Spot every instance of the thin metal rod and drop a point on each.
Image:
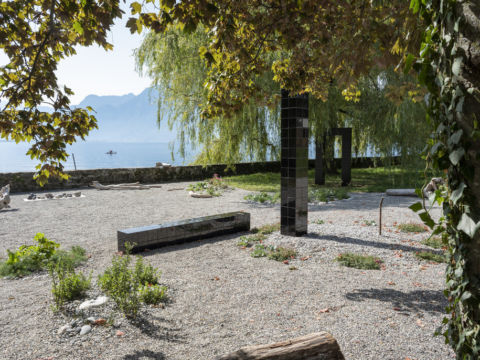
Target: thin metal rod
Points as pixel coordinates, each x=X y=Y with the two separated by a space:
x=380 y=217
x=74 y=163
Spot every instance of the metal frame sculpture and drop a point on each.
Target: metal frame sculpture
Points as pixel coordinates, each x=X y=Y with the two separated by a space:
x=346 y=134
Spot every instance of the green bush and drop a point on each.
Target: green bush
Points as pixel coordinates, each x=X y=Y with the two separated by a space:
x=365 y=262
x=264 y=198
x=411 y=227
x=281 y=254
x=120 y=283
x=126 y=285
x=213 y=186
x=32 y=258
x=259 y=251
x=430 y=256
x=152 y=294
x=146 y=274
x=326 y=195
x=66 y=284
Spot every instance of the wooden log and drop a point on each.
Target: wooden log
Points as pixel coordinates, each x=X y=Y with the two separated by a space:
x=316 y=346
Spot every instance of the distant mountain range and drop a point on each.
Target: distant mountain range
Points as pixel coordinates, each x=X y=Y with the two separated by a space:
x=127 y=118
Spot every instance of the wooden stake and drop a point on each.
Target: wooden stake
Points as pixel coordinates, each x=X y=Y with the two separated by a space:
x=74 y=163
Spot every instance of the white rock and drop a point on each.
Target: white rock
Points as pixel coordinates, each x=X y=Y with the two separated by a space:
x=85 y=329
x=91 y=319
x=93 y=303
x=63 y=329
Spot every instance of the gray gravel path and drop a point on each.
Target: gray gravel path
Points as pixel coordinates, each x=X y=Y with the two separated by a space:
x=222 y=298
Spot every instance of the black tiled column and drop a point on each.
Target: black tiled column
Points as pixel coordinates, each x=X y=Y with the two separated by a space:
x=294 y=164
x=346 y=156
x=319 y=163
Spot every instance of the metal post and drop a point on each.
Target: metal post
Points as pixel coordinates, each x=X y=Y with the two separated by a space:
x=74 y=163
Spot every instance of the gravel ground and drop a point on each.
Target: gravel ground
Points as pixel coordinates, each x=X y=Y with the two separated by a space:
x=222 y=298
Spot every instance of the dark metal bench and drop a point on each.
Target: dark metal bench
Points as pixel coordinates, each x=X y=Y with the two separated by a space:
x=149 y=237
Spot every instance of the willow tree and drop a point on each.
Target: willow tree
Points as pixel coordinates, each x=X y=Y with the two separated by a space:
x=173 y=61
x=325 y=39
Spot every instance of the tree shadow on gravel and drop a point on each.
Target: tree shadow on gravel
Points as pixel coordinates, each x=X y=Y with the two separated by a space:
x=361 y=242
x=157 y=328
x=431 y=301
x=146 y=355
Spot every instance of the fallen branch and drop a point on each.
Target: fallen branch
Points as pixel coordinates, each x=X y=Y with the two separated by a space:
x=126 y=186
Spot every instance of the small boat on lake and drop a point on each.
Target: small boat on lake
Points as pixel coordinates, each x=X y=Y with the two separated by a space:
x=111 y=152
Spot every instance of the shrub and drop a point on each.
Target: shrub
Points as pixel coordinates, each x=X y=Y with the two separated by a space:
x=434 y=242
x=152 y=294
x=120 y=283
x=281 y=254
x=365 y=262
x=411 y=227
x=264 y=198
x=430 y=256
x=146 y=274
x=326 y=195
x=66 y=284
x=213 y=186
x=248 y=241
x=127 y=285
x=32 y=258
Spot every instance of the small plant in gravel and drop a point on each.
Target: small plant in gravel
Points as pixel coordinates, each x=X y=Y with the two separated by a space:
x=31 y=258
x=214 y=186
x=411 y=227
x=266 y=229
x=365 y=262
x=126 y=285
x=326 y=195
x=319 y=222
x=369 y=222
x=281 y=253
x=259 y=250
x=248 y=241
x=430 y=256
x=152 y=294
x=66 y=284
x=264 y=197
x=434 y=242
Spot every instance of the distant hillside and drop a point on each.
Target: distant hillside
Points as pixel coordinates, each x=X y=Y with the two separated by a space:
x=127 y=118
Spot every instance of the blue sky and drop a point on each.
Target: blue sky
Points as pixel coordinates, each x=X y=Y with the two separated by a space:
x=96 y=71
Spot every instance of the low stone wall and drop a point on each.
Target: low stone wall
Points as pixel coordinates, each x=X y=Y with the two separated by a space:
x=23 y=181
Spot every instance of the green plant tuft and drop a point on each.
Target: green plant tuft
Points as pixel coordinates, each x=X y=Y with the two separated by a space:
x=365 y=262
x=281 y=254
x=430 y=256
x=326 y=194
x=434 y=242
x=264 y=197
x=319 y=221
x=66 y=284
x=152 y=294
x=411 y=227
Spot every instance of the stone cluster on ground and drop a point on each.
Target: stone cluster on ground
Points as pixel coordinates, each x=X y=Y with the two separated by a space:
x=50 y=196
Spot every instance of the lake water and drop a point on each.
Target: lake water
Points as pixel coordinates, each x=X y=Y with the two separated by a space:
x=92 y=155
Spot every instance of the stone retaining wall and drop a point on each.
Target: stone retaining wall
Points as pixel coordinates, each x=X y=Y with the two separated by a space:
x=23 y=181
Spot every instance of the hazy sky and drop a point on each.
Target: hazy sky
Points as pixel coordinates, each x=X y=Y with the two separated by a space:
x=96 y=71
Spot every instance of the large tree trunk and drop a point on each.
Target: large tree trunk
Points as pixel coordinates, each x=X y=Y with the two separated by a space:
x=316 y=346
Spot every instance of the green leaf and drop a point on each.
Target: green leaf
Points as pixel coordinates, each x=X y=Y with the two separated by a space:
x=455 y=138
x=467 y=225
x=136 y=8
x=457 y=193
x=416 y=207
x=78 y=27
x=408 y=63
x=466 y=295
x=414 y=5
x=427 y=220
x=457 y=66
x=456 y=156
